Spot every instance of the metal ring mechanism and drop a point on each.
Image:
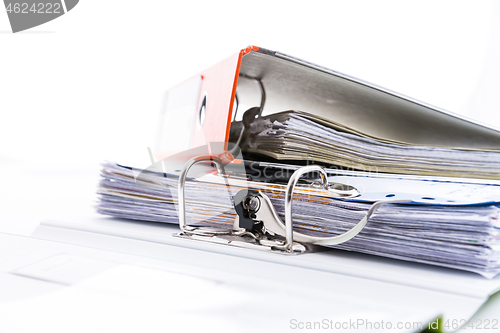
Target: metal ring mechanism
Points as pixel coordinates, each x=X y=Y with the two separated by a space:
x=257 y=224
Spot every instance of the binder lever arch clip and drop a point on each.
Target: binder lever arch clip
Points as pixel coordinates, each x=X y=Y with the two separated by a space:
x=257 y=224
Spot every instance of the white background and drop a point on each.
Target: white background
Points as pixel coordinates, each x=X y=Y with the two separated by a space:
x=88 y=85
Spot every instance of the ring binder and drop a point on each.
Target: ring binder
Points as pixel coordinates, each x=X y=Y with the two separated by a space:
x=387 y=146
x=257 y=224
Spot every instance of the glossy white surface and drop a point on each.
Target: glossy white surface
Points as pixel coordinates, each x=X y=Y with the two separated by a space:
x=335 y=285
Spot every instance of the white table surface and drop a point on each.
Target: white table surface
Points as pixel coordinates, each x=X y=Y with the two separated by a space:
x=31 y=195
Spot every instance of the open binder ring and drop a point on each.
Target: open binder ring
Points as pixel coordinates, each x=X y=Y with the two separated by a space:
x=261 y=222
x=289 y=196
x=277 y=226
x=182 y=200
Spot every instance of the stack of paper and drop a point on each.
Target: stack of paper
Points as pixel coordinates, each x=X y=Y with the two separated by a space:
x=299 y=136
x=456 y=235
